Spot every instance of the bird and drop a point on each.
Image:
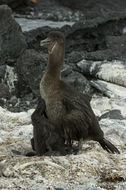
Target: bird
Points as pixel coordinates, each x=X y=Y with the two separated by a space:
x=67 y=109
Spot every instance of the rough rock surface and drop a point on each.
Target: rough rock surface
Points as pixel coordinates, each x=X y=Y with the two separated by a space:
x=4 y=91
x=12 y=3
x=111 y=71
x=29 y=68
x=12 y=42
x=84 y=5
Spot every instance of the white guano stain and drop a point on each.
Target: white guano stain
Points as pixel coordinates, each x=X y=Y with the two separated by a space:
x=114 y=72
x=10 y=78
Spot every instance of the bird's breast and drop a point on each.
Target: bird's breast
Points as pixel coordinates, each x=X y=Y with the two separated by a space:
x=52 y=95
x=55 y=112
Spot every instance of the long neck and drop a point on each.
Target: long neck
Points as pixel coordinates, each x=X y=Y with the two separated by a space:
x=55 y=61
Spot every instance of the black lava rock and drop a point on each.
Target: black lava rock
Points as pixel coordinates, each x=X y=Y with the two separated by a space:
x=12 y=3
x=4 y=91
x=2 y=72
x=29 y=68
x=113 y=114
x=12 y=42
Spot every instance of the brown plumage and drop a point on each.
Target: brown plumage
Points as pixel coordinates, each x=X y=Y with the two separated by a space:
x=46 y=140
x=68 y=110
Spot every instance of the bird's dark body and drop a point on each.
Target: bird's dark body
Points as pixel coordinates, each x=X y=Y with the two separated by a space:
x=79 y=122
x=68 y=110
x=79 y=118
x=65 y=114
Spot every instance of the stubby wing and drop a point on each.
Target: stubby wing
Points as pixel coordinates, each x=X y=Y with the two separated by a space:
x=74 y=125
x=80 y=113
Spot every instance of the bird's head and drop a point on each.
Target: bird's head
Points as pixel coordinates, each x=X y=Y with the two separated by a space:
x=53 y=39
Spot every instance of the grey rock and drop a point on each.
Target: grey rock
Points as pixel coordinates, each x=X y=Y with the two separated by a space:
x=12 y=3
x=118 y=44
x=83 y=5
x=66 y=71
x=30 y=24
x=88 y=39
x=49 y=10
x=123 y=136
x=12 y=42
x=74 y=56
x=112 y=114
x=33 y=37
x=79 y=82
x=13 y=100
x=91 y=37
x=113 y=127
x=4 y=91
x=111 y=71
x=29 y=67
x=2 y=71
x=108 y=89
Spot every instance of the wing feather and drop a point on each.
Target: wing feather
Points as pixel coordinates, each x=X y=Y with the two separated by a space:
x=80 y=120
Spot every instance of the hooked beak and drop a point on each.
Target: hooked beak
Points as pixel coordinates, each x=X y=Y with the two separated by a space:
x=49 y=44
x=45 y=42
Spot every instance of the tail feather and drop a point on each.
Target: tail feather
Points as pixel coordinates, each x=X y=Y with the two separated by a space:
x=108 y=146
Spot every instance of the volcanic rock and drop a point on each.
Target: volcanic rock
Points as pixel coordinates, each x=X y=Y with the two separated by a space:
x=111 y=71
x=29 y=68
x=12 y=3
x=12 y=42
